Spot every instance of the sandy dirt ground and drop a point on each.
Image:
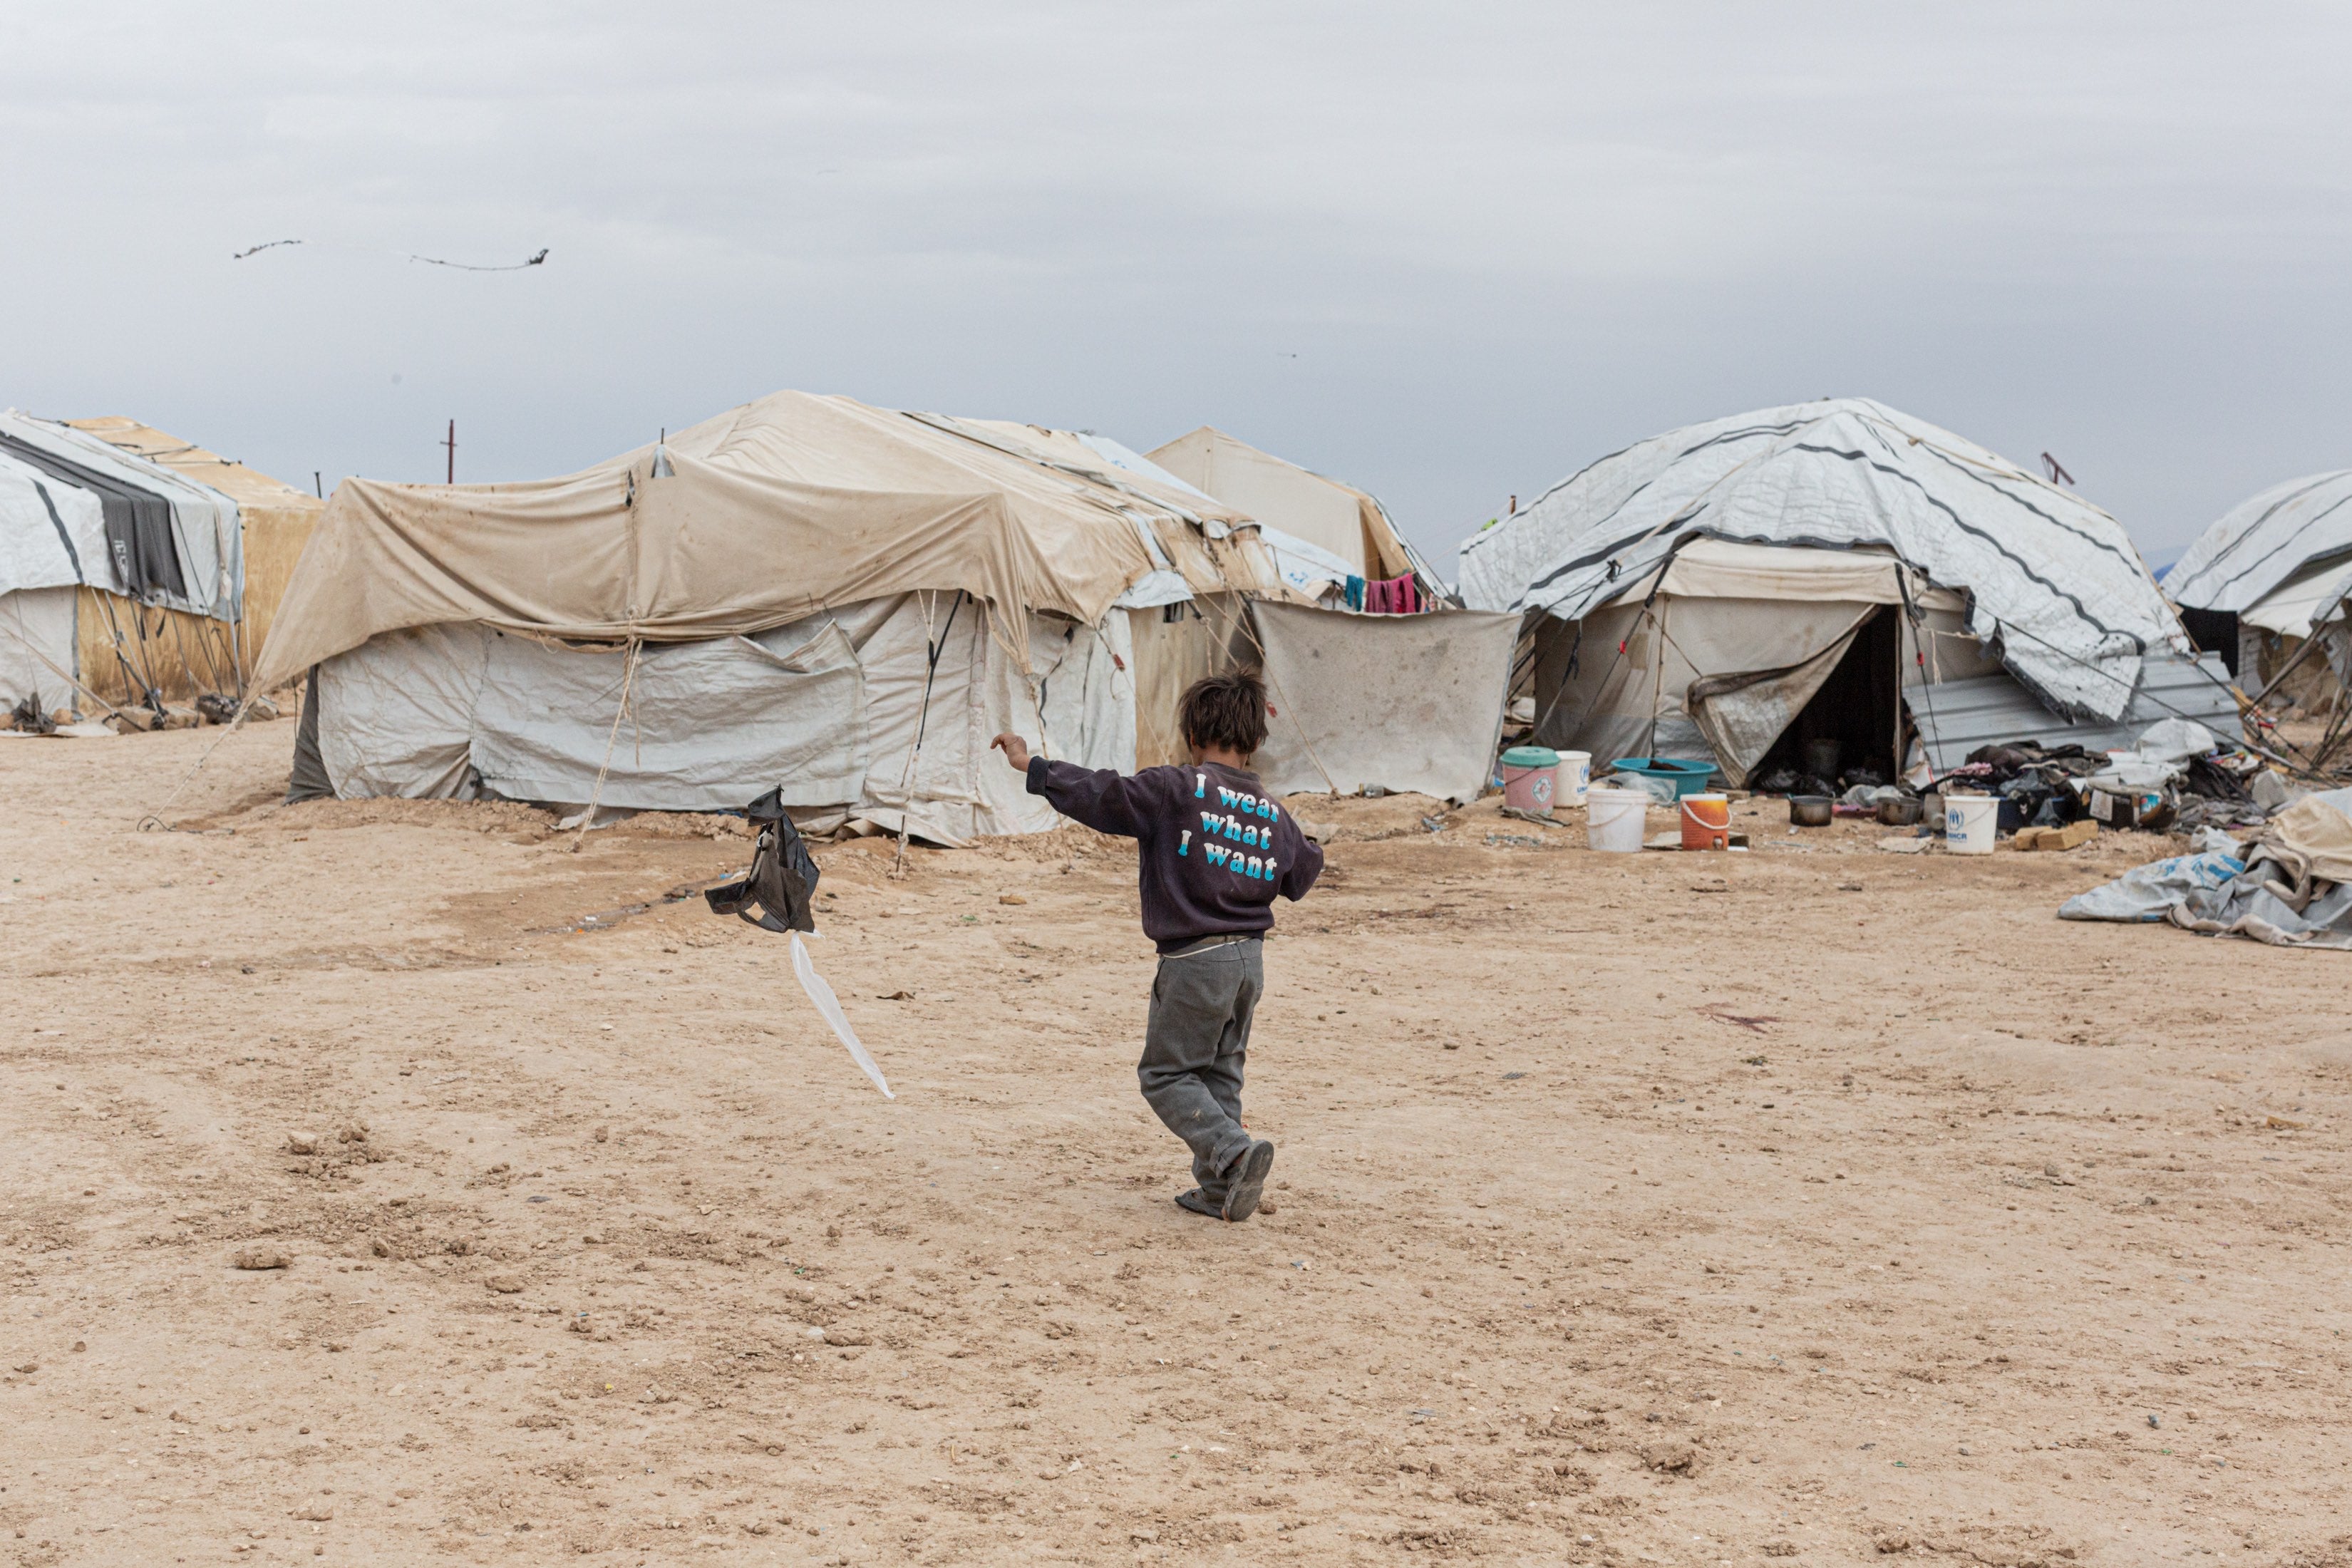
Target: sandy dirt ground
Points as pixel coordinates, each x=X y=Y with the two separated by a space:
x=1813 y=1204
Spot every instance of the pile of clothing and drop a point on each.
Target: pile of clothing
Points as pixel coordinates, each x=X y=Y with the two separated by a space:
x=2178 y=776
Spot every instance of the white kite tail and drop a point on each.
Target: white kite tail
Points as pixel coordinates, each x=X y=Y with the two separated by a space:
x=830 y=1005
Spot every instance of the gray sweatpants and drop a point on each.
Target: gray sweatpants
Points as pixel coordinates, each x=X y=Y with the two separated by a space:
x=1194 y=1049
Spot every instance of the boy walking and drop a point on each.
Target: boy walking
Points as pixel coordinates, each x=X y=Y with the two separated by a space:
x=1213 y=849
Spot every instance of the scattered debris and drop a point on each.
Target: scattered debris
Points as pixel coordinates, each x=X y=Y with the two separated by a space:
x=2072 y=835
x=1753 y=1023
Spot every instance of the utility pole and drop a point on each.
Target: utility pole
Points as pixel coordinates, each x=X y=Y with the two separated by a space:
x=452 y=444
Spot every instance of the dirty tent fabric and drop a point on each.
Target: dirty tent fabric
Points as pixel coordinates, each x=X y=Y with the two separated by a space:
x=758 y=517
x=978 y=571
x=1360 y=703
x=122 y=562
x=1425 y=719
x=826 y=708
x=1408 y=698
x=52 y=540
x=1738 y=642
x=1755 y=546
x=273 y=521
x=170 y=540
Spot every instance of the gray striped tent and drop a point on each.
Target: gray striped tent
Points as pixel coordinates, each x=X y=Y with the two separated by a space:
x=1811 y=572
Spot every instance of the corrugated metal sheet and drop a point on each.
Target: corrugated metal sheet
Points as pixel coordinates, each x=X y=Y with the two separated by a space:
x=1959 y=716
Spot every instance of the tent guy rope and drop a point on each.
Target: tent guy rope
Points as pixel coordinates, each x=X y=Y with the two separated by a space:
x=596 y=791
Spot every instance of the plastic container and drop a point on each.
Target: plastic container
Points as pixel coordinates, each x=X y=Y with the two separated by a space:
x=1530 y=775
x=1687 y=776
x=1613 y=820
x=1706 y=822
x=1971 y=822
x=1575 y=778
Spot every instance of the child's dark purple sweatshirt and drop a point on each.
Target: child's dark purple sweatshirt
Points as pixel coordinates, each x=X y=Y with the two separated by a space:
x=1213 y=848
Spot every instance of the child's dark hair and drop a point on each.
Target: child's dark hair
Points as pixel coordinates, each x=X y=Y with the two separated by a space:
x=1227 y=710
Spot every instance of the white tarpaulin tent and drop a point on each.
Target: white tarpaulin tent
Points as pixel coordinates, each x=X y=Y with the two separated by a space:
x=2295 y=537
x=1702 y=587
x=827 y=707
x=49 y=530
x=2280 y=564
x=80 y=515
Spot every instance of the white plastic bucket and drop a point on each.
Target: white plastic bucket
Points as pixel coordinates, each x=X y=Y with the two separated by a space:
x=1969 y=822
x=1613 y=819
x=1575 y=778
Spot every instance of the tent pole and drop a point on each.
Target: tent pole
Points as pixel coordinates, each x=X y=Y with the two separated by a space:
x=2288 y=669
x=1657 y=689
x=34 y=649
x=934 y=646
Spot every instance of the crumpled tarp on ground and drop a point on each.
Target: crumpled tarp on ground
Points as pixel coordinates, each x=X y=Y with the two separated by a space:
x=2293 y=889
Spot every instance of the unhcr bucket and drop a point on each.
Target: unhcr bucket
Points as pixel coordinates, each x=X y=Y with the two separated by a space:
x=1530 y=774
x=1706 y=822
x=1971 y=822
x=1575 y=778
x=1613 y=820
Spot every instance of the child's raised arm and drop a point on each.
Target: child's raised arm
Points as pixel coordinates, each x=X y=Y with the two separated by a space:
x=1103 y=798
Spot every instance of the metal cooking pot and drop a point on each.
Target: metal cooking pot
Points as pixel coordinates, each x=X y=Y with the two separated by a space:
x=1809 y=810
x=1902 y=813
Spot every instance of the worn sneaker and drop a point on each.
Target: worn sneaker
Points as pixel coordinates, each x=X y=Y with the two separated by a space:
x=1245 y=1185
x=1200 y=1201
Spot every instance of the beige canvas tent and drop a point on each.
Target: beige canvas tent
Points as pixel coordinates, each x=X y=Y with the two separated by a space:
x=806 y=592
x=136 y=569
x=1324 y=513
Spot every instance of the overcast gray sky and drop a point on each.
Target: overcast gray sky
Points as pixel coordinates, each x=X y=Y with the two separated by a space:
x=1446 y=252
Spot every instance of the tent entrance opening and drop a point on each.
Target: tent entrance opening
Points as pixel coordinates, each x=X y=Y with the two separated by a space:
x=1855 y=707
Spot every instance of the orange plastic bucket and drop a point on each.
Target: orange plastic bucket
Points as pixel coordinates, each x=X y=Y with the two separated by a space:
x=1706 y=822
